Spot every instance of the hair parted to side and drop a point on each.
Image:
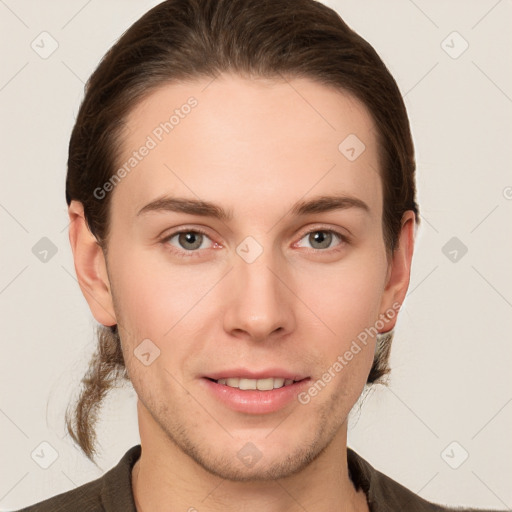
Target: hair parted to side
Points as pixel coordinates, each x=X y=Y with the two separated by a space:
x=192 y=39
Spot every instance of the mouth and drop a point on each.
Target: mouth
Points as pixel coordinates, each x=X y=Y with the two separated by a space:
x=245 y=384
x=253 y=393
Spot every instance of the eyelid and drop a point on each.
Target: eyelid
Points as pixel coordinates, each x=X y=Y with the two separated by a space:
x=329 y=229
x=182 y=252
x=345 y=239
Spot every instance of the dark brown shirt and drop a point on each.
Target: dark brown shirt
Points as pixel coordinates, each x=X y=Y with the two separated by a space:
x=113 y=491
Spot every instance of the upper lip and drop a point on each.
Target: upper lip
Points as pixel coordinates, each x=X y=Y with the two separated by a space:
x=245 y=373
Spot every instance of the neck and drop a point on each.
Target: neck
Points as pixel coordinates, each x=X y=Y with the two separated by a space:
x=165 y=478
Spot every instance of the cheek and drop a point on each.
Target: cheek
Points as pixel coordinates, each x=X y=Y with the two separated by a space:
x=346 y=297
x=166 y=303
x=154 y=293
x=346 y=301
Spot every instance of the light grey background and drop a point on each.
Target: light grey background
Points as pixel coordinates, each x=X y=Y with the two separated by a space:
x=451 y=356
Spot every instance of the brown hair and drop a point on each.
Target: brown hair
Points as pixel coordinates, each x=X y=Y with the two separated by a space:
x=192 y=39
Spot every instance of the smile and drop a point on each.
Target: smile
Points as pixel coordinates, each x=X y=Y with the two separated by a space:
x=250 y=395
x=256 y=384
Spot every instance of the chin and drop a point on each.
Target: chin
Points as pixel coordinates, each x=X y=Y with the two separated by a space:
x=260 y=469
x=260 y=460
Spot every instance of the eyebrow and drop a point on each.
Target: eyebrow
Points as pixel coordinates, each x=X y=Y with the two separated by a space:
x=320 y=204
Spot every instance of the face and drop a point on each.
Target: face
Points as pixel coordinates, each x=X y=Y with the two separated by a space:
x=250 y=279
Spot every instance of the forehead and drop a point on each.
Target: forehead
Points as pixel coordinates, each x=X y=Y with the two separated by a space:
x=248 y=143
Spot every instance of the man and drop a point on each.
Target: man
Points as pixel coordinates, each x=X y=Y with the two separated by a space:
x=241 y=195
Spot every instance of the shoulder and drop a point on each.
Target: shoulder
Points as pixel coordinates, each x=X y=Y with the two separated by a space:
x=109 y=493
x=86 y=498
x=386 y=495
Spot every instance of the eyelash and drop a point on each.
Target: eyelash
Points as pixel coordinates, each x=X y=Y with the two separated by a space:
x=344 y=240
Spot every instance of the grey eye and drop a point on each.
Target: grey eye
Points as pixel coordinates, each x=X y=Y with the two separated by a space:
x=190 y=240
x=322 y=238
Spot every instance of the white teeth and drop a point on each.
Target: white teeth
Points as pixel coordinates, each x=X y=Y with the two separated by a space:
x=247 y=384
x=278 y=383
x=265 y=384
x=260 y=384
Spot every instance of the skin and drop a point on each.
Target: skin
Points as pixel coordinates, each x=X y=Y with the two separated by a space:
x=254 y=147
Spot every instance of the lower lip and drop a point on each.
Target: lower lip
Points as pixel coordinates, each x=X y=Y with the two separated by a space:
x=254 y=401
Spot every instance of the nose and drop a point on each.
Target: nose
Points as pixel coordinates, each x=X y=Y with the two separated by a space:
x=260 y=306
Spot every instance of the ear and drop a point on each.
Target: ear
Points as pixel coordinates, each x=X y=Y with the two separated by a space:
x=399 y=271
x=90 y=266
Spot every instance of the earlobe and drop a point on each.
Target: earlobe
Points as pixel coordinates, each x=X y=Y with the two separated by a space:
x=399 y=271
x=90 y=266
